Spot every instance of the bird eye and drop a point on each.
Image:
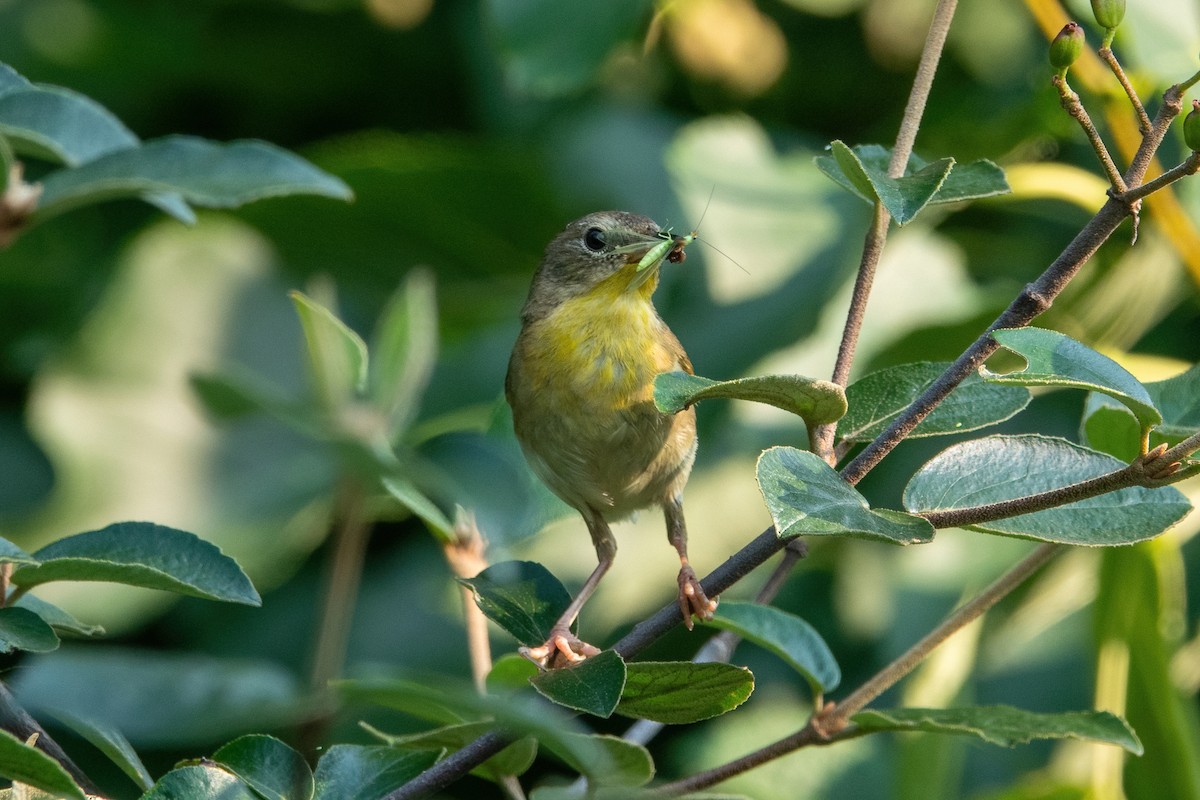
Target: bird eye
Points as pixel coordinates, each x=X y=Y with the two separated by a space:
x=594 y=240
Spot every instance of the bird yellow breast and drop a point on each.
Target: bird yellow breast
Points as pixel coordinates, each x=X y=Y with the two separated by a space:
x=601 y=349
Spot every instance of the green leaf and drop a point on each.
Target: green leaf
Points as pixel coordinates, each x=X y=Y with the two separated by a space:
x=1110 y=427
x=268 y=766
x=205 y=173
x=142 y=554
x=853 y=171
x=605 y=760
x=1000 y=468
x=903 y=197
x=25 y=764
x=1004 y=725
x=875 y=400
x=58 y=619
x=22 y=629
x=785 y=635
x=681 y=692
x=1058 y=360
x=11 y=554
x=144 y=694
x=337 y=356
x=548 y=48
x=522 y=597
x=199 y=782
x=404 y=350
x=807 y=498
x=512 y=760
x=817 y=402
x=366 y=772
x=112 y=743
x=412 y=498
x=59 y=125
x=11 y=80
x=593 y=686
x=510 y=672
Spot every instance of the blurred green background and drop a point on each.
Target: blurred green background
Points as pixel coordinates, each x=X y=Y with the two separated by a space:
x=471 y=132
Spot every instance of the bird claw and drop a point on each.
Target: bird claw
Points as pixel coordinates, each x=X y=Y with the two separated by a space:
x=692 y=599
x=561 y=649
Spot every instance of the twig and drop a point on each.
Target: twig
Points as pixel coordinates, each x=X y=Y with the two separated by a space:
x=16 y=720
x=1107 y=55
x=821 y=438
x=1072 y=105
x=1189 y=166
x=832 y=724
x=465 y=555
x=341 y=594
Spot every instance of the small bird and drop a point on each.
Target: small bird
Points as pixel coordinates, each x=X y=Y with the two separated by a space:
x=581 y=386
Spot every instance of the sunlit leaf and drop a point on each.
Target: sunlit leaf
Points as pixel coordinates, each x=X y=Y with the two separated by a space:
x=681 y=692
x=593 y=686
x=815 y=401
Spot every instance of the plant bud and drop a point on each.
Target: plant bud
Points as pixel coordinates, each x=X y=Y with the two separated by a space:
x=1109 y=13
x=1067 y=46
x=1191 y=127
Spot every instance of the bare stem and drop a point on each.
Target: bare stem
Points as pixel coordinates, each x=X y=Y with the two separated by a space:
x=1072 y=105
x=341 y=593
x=931 y=54
x=833 y=723
x=1107 y=55
x=465 y=555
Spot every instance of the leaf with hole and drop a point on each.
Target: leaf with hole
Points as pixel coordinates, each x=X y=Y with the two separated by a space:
x=1002 y=468
x=1053 y=359
x=815 y=401
x=806 y=497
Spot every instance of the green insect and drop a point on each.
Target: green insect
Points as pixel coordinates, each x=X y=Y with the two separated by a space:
x=670 y=248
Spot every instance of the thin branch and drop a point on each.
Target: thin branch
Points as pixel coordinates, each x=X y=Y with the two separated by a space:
x=821 y=438
x=1072 y=105
x=1189 y=166
x=465 y=555
x=832 y=724
x=1107 y=55
x=16 y=720
x=1034 y=300
x=458 y=764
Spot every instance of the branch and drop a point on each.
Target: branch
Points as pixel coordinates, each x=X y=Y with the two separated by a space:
x=16 y=720
x=832 y=724
x=1107 y=55
x=458 y=764
x=1070 y=102
x=821 y=438
x=1189 y=166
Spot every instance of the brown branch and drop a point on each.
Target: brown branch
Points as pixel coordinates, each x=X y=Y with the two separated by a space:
x=833 y=723
x=17 y=721
x=1189 y=166
x=1072 y=105
x=1107 y=55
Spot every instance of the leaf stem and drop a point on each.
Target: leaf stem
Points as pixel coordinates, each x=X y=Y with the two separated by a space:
x=1110 y=58
x=833 y=723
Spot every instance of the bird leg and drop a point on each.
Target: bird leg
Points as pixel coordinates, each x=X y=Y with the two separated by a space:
x=692 y=599
x=563 y=648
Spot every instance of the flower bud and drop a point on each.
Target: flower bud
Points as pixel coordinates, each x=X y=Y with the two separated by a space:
x=1191 y=127
x=1067 y=46
x=1109 y=13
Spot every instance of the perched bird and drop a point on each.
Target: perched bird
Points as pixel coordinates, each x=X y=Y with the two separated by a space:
x=581 y=386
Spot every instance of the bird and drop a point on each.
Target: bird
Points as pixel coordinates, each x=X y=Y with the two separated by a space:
x=580 y=383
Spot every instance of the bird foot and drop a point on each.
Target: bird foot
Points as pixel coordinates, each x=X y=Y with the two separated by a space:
x=561 y=649
x=692 y=599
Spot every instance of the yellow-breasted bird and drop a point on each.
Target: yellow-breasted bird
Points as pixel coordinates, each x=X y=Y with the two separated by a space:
x=581 y=386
